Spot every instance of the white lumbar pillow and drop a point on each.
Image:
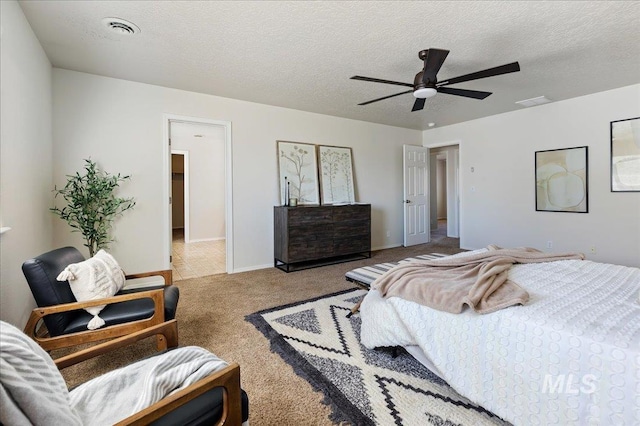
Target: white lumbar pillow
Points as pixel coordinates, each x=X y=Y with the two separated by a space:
x=95 y=278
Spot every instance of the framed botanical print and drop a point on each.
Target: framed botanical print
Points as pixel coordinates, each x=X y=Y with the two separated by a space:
x=298 y=173
x=336 y=175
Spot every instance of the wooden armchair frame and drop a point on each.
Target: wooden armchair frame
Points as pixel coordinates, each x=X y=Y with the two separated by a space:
x=228 y=379
x=110 y=332
x=167 y=274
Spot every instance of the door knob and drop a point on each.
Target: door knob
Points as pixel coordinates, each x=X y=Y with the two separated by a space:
x=407 y=201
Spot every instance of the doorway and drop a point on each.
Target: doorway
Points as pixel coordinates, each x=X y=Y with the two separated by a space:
x=439 y=221
x=444 y=194
x=180 y=195
x=200 y=239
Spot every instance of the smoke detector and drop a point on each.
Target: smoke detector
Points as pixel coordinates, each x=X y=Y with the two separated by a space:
x=121 y=26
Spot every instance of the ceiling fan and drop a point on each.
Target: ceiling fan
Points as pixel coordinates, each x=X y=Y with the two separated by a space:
x=426 y=85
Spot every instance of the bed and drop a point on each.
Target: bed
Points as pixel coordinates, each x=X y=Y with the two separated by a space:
x=571 y=355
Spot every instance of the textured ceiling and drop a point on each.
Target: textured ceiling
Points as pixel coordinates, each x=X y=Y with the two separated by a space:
x=301 y=54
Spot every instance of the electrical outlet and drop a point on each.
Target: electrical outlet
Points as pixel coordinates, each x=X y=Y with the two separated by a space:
x=549 y=244
x=388 y=234
x=593 y=249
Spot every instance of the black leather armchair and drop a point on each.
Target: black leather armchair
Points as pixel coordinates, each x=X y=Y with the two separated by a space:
x=66 y=320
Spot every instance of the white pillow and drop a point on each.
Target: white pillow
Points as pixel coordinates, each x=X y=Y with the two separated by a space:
x=95 y=278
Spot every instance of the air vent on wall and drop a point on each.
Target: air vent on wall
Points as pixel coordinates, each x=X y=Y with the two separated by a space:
x=121 y=26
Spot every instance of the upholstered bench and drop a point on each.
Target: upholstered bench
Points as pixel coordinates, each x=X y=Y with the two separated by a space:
x=364 y=276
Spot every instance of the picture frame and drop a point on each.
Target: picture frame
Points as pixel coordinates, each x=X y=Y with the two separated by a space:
x=336 y=175
x=562 y=180
x=298 y=173
x=625 y=155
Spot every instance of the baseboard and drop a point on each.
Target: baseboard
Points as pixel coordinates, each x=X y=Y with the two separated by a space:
x=202 y=240
x=252 y=268
x=388 y=246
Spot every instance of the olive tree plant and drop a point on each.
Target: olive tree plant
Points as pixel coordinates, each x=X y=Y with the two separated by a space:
x=91 y=204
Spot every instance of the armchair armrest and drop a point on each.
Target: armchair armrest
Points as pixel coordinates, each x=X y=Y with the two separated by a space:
x=228 y=378
x=110 y=332
x=166 y=274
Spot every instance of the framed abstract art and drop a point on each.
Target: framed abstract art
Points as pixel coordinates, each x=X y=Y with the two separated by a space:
x=562 y=180
x=625 y=155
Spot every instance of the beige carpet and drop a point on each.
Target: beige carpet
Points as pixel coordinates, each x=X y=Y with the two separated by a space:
x=211 y=314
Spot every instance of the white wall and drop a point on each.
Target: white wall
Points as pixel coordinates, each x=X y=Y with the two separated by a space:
x=119 y=124
x=501 y=150
x=206 y=178
x=25 y=159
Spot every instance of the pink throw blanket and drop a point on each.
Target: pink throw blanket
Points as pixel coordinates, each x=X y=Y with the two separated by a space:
x=478 y=280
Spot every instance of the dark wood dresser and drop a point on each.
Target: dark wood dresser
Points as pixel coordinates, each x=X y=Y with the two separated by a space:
x=310 y=236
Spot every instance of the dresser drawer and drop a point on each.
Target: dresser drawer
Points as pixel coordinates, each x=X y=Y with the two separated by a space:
x=351 y=228
x=314 y=231
x=303 y=216
x=352 y=244
x=352 y=212
x=301 y=251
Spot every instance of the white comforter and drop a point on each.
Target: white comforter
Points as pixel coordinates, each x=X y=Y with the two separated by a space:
x=570 y=356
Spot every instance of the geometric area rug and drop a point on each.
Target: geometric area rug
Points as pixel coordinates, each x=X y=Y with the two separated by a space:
x=362 y=386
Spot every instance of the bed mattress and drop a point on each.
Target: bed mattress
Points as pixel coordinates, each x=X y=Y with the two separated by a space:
x=367 y=274
x=570 y=356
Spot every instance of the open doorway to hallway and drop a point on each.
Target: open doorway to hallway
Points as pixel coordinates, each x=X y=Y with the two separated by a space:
x=198 y=228
x=444 y=192
x=196 y=259
x=440 y=232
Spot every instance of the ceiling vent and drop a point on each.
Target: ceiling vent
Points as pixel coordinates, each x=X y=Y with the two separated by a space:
x=121 y=26
x=534 y=101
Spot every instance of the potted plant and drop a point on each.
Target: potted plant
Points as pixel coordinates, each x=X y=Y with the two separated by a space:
x=92 y=205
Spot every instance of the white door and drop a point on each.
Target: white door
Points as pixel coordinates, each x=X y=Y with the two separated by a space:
x=416 y=195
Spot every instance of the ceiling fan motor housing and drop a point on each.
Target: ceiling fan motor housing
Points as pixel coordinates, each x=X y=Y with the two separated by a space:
x=419 y=84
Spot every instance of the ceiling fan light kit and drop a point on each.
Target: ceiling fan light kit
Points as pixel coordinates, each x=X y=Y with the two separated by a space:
x=425 y=92
x=425 y=84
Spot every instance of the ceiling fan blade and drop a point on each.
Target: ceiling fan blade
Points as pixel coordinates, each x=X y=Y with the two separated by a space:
x=432 y=63
x=502 y=69
x=476 y=94
x=418 y=104
x=386 y=97
x=377 y=80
